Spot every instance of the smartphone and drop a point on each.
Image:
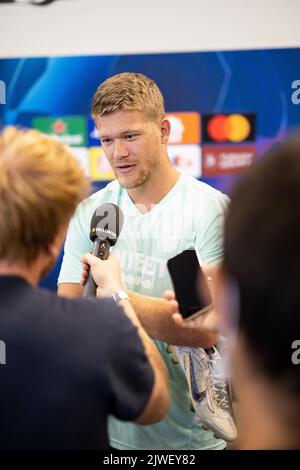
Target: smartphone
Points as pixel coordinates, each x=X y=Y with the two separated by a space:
x=189 y=283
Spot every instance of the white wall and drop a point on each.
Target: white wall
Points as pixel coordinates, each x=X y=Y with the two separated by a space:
x=82 y=27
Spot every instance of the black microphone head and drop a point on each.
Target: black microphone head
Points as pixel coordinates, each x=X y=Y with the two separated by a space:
x=107 y=223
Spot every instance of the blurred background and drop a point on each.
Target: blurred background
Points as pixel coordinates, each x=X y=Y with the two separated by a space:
x=229 y=71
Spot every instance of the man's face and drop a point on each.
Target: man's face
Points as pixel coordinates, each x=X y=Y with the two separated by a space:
x=133 y=146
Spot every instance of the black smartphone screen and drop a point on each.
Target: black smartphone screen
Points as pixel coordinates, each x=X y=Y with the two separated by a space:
x=191 y=290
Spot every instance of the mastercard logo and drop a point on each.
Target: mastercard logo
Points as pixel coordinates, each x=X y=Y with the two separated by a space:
x=229 y=128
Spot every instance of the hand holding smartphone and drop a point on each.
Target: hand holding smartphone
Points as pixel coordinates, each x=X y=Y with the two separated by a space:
x=189 y=282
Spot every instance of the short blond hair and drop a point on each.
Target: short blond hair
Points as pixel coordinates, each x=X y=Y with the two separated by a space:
x=129 y=92
x=41 y=184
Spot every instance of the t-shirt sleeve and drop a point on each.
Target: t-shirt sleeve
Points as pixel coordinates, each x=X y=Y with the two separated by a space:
x=209 y=238
x=130 y=374
x=77 y=243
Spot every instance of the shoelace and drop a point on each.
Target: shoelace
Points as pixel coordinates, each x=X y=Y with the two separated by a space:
x=219 y=382
x=221 y=394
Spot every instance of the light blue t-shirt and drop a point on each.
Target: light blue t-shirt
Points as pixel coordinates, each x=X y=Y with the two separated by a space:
x=192 y=213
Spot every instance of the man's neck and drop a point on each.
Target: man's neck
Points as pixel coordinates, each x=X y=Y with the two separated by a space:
x=30 y=274
x=155 y=189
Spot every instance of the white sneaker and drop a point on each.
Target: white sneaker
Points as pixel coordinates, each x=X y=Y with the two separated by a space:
x=216 y=410
x=194 y=362
x=208 y=389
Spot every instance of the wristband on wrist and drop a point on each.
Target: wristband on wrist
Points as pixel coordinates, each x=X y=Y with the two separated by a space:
x=120 y=295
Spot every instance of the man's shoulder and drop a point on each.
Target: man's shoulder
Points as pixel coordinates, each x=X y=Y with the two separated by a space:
x=110 y=193
x=199 y=190
x=86 y=313
x=93 y=306
x=101 y=320
x=92 y=327
x=86 y=208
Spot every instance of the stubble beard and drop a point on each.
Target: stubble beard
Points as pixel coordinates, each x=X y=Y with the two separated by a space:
x=142 y=178
x=134 y=184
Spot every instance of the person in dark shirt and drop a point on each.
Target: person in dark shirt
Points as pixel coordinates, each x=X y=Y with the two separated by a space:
x=69 y=363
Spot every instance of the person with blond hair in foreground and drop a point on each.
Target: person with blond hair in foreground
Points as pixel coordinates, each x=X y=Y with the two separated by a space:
x=69 y=362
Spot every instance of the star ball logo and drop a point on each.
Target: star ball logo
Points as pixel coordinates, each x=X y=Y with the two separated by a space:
x=2 y=92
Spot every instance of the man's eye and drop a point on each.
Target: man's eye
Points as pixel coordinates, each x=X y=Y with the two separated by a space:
x=106 y=141
x=130 y=136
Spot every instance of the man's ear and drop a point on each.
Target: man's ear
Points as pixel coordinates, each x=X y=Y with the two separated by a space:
x=53 y=248
x=165 y=128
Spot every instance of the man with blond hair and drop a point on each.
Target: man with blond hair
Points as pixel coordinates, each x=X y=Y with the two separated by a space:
x=63 y=375
x=165 y=213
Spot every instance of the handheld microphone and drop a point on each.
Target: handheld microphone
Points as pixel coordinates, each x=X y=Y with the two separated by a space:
x=106 y=225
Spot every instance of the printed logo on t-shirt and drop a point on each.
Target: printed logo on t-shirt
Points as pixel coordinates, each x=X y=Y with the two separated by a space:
x=169 y=245
x=140 y=270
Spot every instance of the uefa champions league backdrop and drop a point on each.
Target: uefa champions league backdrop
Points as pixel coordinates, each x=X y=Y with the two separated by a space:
x=225 y=108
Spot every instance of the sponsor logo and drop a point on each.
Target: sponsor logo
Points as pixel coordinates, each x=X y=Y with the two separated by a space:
x=82 y=156
x=93 y=135
x=69 y=130
x=185 y=128
x=223 y=160
x=106 y=231
x=186 y=159
x=100 y=168
x=231 y=128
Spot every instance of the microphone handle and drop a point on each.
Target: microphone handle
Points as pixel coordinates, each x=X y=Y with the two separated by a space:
x=101 y=250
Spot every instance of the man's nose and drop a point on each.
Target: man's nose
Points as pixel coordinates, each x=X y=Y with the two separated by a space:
x=120 y=149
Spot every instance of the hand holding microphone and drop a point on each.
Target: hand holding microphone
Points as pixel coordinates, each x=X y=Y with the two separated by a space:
x=106 y=274
x=106 y=225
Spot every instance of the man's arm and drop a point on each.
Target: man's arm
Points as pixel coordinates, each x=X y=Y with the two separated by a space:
x=70 y=289
x=156 y=315
x=159 y=400
x=110 y=281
